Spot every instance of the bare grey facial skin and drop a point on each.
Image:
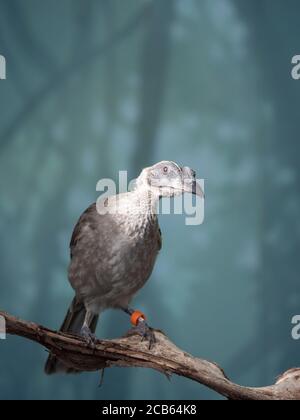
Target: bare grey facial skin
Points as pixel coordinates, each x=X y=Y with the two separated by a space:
x=167 y=179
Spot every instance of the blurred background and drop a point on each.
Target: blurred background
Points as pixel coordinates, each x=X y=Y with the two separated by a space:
x=98 y=86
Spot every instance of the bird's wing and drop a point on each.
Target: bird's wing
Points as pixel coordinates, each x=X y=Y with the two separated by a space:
x=159 y=238
x=85 y=221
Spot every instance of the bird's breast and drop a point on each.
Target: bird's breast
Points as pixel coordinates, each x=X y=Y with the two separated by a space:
x=136 y=252
x=114 y=260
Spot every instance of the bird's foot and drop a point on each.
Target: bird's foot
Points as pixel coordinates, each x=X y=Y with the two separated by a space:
x=88 y=336
x=146 y=332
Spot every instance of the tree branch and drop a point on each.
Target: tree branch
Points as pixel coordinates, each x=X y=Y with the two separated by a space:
x=165 y=357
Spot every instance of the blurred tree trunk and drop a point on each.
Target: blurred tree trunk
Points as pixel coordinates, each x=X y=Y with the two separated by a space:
x=154 y=66
x=269 y=23
x=48 y=229
x=29 y=46
x=154 y=60
x=155 y=57
x=111 y=86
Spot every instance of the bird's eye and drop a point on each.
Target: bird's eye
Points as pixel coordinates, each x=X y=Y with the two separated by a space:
x=165 y=169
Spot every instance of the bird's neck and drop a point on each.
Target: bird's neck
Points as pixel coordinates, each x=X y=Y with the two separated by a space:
x=145 y=201
x=138 y=211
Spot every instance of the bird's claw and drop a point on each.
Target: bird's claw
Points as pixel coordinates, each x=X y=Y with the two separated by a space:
x=88 y=336
x=143 y=329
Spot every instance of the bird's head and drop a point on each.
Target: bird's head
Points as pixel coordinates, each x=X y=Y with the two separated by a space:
x=167 y=179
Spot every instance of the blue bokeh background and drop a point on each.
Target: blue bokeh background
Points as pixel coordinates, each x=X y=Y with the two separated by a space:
x=101 y=86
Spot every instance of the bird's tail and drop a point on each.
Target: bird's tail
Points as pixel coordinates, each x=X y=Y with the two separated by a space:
x=72 y=324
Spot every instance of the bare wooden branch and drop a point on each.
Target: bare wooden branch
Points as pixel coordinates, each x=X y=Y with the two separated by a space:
x=165 y=357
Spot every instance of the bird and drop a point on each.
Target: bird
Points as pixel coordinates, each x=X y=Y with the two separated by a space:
x=113 y=250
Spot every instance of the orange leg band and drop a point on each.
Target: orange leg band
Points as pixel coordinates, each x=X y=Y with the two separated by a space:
x=136 y=316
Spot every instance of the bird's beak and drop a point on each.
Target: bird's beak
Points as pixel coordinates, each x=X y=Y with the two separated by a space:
x=193 y=187
x=197 y=190
x=190 y=184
